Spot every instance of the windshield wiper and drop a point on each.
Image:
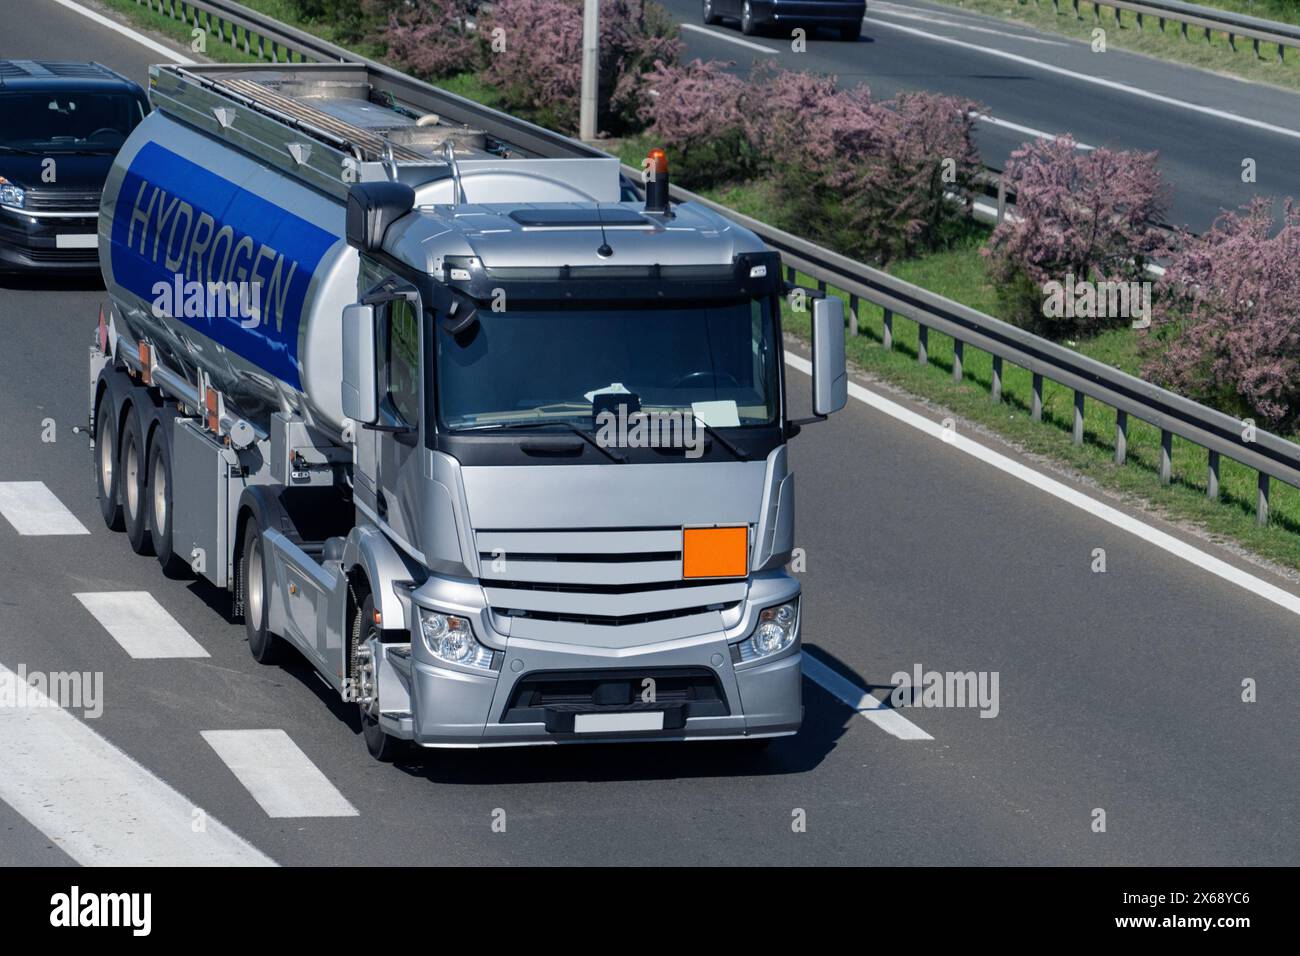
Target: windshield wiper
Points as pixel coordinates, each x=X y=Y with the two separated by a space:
x=710 y=430
x=581 y=433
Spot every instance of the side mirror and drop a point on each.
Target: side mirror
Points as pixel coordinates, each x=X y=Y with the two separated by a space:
x=372 y=208
x=830 y=376
x=359 y=388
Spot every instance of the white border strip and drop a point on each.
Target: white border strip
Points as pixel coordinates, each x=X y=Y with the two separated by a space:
x=1166 y=542
x=126 y=31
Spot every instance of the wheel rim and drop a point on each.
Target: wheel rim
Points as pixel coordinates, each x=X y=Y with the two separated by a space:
x=745 y=14
x=708 y=9
x=256 y=593
x=159 y=483
x=105 y=457
x=132 y=470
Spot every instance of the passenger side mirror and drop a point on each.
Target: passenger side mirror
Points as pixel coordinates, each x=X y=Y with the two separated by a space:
x=359 y=387
x=830 y=375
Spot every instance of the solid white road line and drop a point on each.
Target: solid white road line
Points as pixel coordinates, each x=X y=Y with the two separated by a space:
x=140 y=624
x=1071 y=496
x=905 y=13
x=718 y=35
x=280 y=777
x=886 y=718
x=1040 y=134
x=116 y=27
x=1094 y=80
x=93 y=801
x=34 y=510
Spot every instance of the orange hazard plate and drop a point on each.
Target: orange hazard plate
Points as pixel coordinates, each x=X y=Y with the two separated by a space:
x=715 y=552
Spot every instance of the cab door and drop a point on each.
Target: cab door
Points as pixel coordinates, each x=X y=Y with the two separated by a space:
x=398 y=330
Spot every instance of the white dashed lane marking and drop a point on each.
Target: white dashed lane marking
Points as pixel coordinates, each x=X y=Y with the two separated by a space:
x=93 y=801
x=34 y=510
x=140 y=624
x=280 y=777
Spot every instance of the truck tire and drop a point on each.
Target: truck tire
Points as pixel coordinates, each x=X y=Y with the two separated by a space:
x=254 y=596
x=106 y=474
x=132 y=467
x=382 y=745
x=160 y=496
x=710 y=16
x=748 y=25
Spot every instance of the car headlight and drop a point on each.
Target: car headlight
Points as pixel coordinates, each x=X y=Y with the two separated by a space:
x=11 y=194
x=777 y=629
x=450 y=638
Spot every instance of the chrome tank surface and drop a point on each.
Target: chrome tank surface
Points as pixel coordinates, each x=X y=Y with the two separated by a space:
x=179 y=203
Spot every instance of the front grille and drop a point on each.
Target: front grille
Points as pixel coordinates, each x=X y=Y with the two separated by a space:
x=608 y=620
x=553 y=697
x=62 y=255
x=597 y=586
x=62 y=200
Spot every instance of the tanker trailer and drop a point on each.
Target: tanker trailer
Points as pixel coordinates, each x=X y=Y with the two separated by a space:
x=495 y=445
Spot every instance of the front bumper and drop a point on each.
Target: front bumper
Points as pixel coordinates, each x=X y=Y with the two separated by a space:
x=30 y=242
x=807 y=12
x=451 y=708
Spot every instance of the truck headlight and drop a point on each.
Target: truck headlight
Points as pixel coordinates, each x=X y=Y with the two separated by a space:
x=11 y=194
x=451 y=639
x=777 y=628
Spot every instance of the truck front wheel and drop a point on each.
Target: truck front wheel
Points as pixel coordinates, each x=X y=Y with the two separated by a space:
x=382 y=745
x=254 y=597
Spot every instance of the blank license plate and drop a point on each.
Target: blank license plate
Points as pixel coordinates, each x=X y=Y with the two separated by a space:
x=86 y=241
x=609 y=723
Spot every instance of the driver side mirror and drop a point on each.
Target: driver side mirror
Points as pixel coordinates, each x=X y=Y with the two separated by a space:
x=830 y=375
x=359 y=387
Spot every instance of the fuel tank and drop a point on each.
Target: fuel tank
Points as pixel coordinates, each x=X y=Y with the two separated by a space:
x=182 y=210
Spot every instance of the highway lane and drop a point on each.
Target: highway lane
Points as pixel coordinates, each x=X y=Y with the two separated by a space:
x=1118 y=691
x=913 y=45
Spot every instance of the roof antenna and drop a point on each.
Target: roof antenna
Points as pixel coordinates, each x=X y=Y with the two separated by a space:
x=605 y=250
x=449 y=154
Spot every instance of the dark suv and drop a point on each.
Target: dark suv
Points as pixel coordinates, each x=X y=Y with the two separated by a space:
x=60 y=126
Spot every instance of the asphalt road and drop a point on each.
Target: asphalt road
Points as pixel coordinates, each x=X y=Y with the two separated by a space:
x=1119 y=691
x=1202 y=124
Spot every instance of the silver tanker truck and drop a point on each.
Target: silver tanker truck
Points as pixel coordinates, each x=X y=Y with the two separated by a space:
x=361 y=368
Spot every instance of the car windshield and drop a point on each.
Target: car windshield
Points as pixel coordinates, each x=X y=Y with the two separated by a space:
x=716 y=361
x=67 y=121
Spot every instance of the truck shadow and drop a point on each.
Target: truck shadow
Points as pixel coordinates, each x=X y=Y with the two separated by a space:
x=826 y=719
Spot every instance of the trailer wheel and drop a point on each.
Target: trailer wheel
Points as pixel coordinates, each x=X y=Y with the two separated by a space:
x=160 y=501
x=132 y=470
x=382 y=745
x=106 y=475
x=254 y=597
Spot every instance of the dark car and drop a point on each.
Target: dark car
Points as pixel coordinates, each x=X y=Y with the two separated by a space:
x=61 y=124
x=844 y=16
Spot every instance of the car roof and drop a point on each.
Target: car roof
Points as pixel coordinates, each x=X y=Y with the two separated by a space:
x=59 y=74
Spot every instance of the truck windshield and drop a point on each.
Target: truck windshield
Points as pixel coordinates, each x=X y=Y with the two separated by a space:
x=717 y=361
x=67 y=121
